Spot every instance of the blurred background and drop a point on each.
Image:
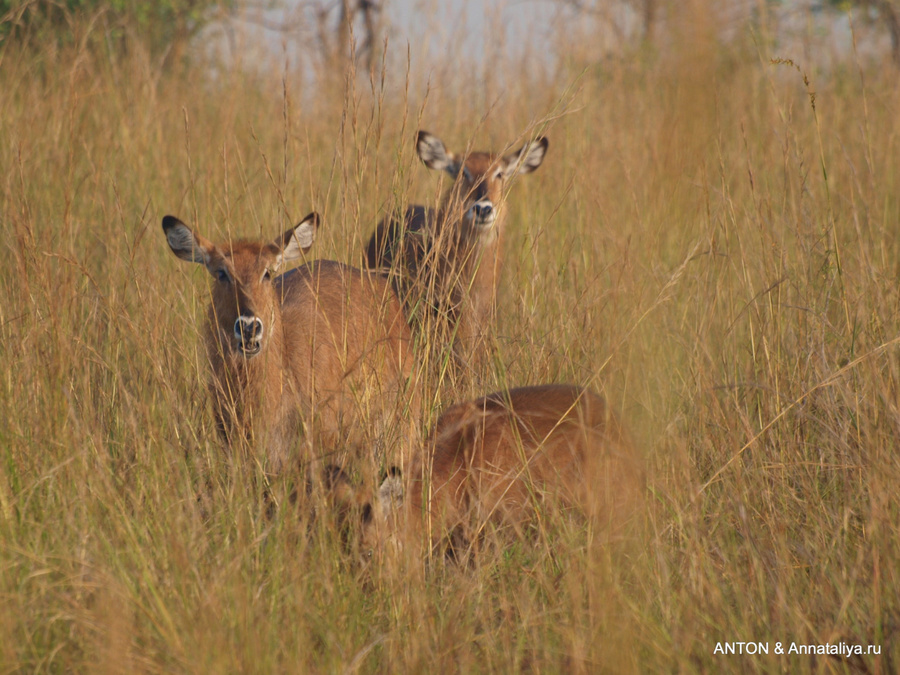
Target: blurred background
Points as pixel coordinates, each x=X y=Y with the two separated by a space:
x=435 y=38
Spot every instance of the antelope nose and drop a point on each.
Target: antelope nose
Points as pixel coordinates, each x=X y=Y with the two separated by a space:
x=248 y=329
x=483 y=210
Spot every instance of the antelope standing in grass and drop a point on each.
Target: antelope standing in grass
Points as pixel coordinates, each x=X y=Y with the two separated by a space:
x=300 y=354
x=448 y=260
x=501 y=459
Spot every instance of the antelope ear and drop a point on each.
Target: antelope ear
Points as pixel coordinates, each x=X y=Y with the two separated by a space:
x=432 y=151
x=184 y=243
x=297 y=240
x=527 y=159
x=390 y=493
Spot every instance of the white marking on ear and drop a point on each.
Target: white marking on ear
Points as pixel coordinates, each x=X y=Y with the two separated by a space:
x=525 y=160
x=390 y=495
x=298 y=240
x=432 y=151
x=183 y=242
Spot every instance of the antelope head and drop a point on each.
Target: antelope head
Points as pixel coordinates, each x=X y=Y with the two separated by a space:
x=475 y=197
x=246 y=304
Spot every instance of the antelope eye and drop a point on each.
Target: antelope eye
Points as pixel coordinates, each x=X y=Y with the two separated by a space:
x=267 y=276
x=222 y=275
x=498 y=175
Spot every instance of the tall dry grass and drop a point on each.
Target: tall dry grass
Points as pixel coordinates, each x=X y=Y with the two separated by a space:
x=710 y=244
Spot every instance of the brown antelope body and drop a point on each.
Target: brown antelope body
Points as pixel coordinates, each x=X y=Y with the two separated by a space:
x=448 y=260
x=499 y=457
x=298 y=354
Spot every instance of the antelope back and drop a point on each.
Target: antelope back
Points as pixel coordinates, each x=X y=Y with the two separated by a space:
x=500 y=456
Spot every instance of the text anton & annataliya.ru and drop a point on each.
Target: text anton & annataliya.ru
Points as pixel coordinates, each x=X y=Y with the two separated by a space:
x=829 y=649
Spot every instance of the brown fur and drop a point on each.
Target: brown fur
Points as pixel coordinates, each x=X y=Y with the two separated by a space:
x=335 y=345
x=500 y=457
x=444 y=260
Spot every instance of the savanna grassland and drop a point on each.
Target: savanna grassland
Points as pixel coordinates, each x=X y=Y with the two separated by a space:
x=711 y=243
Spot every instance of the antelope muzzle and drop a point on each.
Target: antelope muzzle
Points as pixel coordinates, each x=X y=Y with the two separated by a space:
x=482 y=214
x=248 y=334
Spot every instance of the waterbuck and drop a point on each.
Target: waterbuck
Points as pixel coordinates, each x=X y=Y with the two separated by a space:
x=502 y=459
x=320 y=352
x=448 y=261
